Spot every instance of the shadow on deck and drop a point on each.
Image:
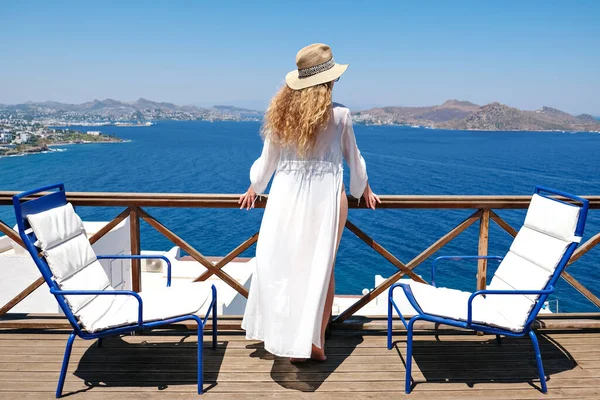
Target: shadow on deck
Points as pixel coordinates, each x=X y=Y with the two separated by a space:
x=485 y=361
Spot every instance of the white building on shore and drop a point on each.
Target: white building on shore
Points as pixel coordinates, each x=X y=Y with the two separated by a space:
x=6 y=137
x=23 y=137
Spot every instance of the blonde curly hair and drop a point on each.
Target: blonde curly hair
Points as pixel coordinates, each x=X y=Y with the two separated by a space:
x=295 y=117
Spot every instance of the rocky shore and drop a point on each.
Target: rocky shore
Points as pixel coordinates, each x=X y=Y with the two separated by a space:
x=25 y=149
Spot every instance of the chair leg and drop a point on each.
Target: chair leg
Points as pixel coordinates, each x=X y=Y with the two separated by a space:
x=200 y=358
x=498 y=340
x=538 y=359
x=389 y=329
x=409 y=343
x=214 y=321
x=65 y=365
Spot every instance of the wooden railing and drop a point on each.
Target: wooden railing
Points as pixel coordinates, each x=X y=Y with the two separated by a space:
x=134 y=203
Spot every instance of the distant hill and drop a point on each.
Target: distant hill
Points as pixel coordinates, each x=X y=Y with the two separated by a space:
x=115 y=110
x=450 y=110
x=242 y=112
x=455 y=114
x=587 y=118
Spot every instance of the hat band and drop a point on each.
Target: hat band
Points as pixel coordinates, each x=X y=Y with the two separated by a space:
x=306 y=72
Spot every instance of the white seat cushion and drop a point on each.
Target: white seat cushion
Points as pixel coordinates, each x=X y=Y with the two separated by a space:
x=515 y=308
x=158 y=305
x=55 y=226
x=92 y=277
x=521 y=274
x=538 y=248
x=552 y=217
x=69 y=257
x=451 y=303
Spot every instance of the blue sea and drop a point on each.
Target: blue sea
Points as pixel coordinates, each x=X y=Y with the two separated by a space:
x=204 y=157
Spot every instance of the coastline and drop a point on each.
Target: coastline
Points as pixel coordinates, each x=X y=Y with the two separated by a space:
x=98 y=142
x=51 y=147
x=61 y=124
x=413 y=125
x=32 y=153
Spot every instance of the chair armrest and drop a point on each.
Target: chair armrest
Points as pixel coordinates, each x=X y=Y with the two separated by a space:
x=456 y=258
x=502 y=292
x=105 y=292
x=140 y=257
x=409 y=296
x=391 y=290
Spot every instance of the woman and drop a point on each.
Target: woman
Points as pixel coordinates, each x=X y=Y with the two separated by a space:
x=305 y=138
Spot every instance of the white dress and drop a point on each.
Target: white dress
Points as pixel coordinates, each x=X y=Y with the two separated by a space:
x=298 y=236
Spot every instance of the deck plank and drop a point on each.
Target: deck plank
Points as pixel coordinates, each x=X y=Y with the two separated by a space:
x=162 y=365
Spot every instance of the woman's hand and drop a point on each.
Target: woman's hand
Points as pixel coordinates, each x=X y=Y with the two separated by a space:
x=371 y=199
x=247 y=199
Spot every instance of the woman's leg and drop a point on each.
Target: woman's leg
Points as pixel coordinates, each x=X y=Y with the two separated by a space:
x=319 y=353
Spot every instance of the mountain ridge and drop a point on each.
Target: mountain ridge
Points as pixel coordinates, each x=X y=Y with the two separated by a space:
x=451 y=114
x=464 y=115
x=115 y=110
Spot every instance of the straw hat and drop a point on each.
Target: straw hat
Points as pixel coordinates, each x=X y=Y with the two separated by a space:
x=315 y=66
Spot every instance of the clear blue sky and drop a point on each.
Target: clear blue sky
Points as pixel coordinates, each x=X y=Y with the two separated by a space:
x=522 y=53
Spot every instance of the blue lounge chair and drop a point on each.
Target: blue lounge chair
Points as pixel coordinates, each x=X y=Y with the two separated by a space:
x=519 y=288
x=54 y=236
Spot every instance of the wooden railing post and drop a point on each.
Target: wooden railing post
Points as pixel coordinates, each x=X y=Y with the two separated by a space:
x=484 y=230
x=134 y=234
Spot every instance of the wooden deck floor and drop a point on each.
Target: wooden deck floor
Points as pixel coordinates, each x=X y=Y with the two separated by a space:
x=162 y=365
